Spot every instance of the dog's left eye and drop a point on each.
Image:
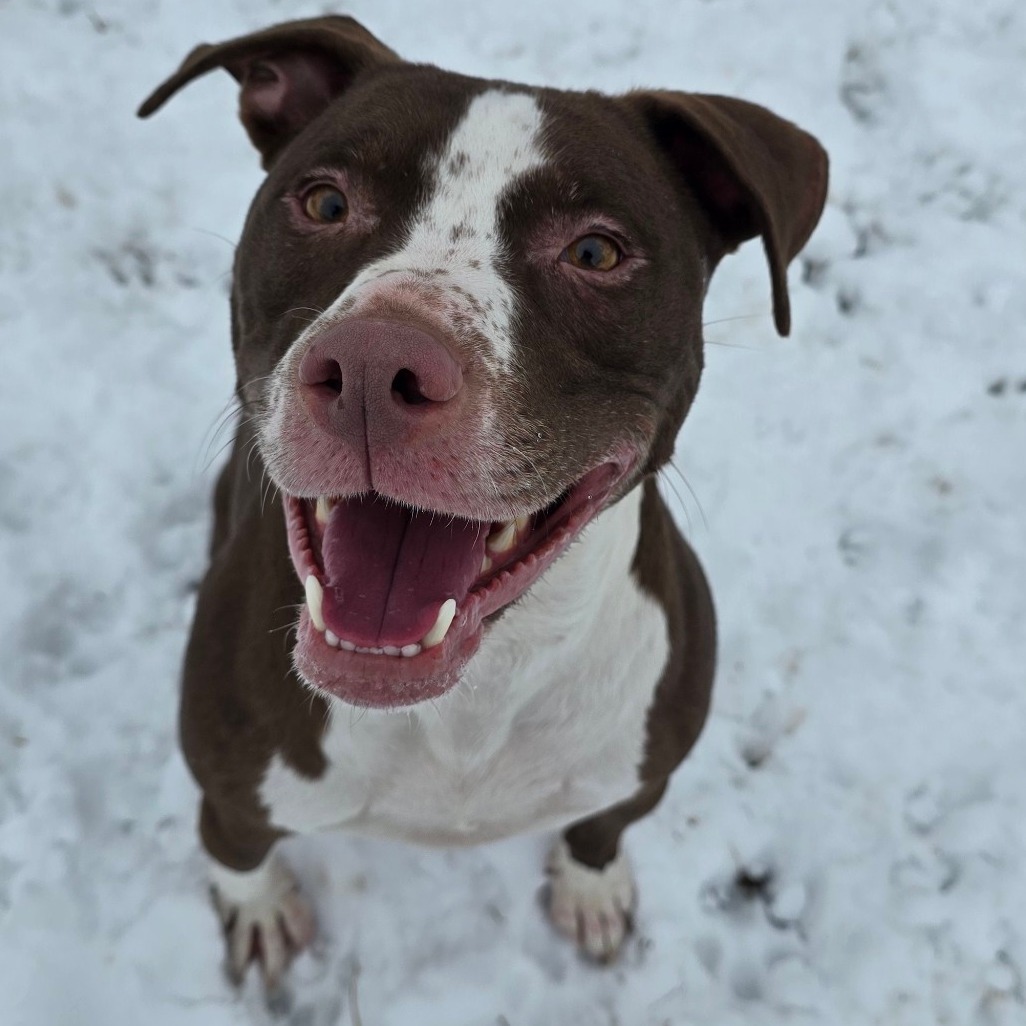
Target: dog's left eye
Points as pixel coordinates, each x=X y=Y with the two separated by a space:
x=325 y=204
x=593 y=253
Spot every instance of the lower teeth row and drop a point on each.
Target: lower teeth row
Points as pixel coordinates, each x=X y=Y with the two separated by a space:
x=389 y=650
x=434 y=637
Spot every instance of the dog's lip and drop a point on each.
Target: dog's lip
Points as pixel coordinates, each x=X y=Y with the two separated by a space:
x=389 y=681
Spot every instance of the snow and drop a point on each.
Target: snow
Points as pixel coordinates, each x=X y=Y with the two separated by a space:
x=846 y=844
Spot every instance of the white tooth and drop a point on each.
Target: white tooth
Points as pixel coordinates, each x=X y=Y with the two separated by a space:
x=410 y=650
x=331 y=639
x=322 y=510
x=347 y=645
x=314 y=601
x=486 y=564
x=391 y=650
x=502 y=541
x=437 y=634
x=522 y=524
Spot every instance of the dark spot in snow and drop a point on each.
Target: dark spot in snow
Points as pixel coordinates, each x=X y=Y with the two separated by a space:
x=814 y=271
x=754 y=882
x=756 y=750
x=848 y=301
x=750 y=883
x=864 y=88
x=853 y=545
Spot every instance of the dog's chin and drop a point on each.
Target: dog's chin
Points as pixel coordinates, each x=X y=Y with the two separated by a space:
x=399 y=599
x=382 y=681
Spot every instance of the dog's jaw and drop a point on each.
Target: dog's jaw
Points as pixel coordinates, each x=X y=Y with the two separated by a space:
x=382 y=671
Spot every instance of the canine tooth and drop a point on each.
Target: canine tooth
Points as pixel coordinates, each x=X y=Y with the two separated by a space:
x=502 y=541
x=522 y=524
x=410 y=650
x=486 y=564
x=315 y=600
x=322 y=510
x=331 y=639
x=391 y=650
x=443 y=622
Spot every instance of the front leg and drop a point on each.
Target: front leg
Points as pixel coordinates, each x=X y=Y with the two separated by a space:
x=263 y=913
x=593 y=895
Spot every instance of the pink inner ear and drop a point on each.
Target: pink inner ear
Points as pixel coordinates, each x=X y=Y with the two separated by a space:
x=281 y=94
x=263 y=90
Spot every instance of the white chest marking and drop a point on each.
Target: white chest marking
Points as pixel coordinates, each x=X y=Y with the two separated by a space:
x=453 y=248
x=547 y=726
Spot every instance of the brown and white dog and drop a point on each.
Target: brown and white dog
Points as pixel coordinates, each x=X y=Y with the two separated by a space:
x=467 y=325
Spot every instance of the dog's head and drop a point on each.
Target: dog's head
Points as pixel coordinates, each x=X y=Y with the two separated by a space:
x=468 y=316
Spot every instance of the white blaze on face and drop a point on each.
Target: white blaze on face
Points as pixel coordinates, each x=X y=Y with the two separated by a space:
x=454 y=237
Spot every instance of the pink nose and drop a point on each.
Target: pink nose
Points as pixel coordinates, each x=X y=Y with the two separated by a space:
x=382 y=377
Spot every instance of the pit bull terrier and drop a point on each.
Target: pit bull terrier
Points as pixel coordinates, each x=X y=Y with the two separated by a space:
x=467 y=326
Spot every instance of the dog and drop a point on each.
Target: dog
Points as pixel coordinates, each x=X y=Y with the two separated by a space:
x=467 y=327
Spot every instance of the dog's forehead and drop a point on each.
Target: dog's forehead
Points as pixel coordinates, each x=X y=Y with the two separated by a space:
x=451 y=236
x=494 y=144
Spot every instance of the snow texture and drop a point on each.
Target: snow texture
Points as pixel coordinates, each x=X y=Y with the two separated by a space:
x=846 y=844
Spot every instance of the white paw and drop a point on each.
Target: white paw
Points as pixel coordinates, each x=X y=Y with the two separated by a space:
x=591 y=906
x=265 y=918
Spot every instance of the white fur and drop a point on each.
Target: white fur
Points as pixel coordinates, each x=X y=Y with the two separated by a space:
x=263 y=904
x=591 y=906
x=547 y=726
x=495 y=143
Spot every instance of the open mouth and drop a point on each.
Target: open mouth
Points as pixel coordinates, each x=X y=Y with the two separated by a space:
x=396 y=598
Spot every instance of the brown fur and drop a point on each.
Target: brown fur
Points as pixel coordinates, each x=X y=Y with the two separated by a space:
x=689 y=177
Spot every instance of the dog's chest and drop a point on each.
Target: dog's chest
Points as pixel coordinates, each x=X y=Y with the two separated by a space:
x=549 y=724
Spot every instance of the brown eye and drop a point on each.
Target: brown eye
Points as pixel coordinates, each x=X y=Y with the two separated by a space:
x=325 y=204
x=593 y=253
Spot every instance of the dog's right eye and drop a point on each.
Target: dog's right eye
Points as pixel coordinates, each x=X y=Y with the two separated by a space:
x=325 y=204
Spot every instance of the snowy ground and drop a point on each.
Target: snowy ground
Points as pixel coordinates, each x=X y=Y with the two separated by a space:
x=847 y=844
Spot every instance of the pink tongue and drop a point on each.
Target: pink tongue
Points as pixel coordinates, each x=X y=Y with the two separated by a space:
x=388 y=569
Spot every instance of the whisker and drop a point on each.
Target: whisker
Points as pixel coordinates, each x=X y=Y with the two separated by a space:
x=694 y=495
x=664 y=476
x=732 y=345
x=737 y=317
x=305 y=309
x=215 y=235
x=211 y=437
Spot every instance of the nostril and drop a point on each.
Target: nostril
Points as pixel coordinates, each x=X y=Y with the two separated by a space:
x=325 y=376
x=333 y=379
x=407 y=387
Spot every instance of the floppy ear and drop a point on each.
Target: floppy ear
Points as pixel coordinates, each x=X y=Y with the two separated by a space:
x=288 y=74
x=753 y=172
